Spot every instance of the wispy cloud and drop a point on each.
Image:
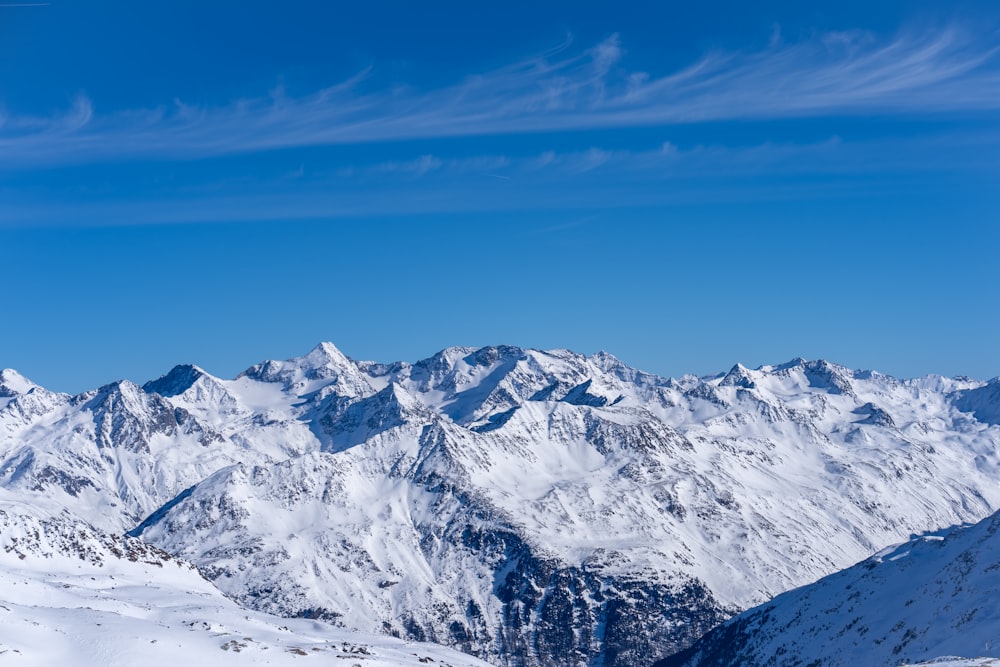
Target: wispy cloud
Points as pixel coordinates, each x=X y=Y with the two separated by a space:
x=836 y=73
x=427 y=164
x=591 y=179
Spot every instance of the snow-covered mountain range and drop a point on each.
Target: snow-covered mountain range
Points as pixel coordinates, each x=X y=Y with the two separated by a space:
x=528 y=507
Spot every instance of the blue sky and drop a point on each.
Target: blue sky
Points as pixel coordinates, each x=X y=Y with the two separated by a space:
x=684 y=186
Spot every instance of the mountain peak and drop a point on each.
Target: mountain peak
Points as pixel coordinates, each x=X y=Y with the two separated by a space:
x=738 y=376
x=491 y=354
x=324 y=368
x=13 y=383
x=797 y=362
x=120 y=390
x=604 y=359
x=323 y=362
x=327 y=353
x=177 y=381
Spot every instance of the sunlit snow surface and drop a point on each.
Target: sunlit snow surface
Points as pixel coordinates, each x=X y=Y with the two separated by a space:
x=67 y=598
x=935 y=595
x=954 y=661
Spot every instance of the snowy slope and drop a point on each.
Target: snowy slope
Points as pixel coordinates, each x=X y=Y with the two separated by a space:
x=115 y=454
x=955 y=661
x=933 y=596
x=71 y=594
x=525 y=506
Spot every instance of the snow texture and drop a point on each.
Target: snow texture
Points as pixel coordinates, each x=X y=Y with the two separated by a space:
x=935 y=595
x=527 y=507
x=71 y=594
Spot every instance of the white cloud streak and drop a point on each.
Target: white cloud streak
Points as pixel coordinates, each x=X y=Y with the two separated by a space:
x=835 y=74
x=589 y=179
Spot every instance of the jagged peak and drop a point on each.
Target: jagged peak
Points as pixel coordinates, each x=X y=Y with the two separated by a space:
x=450 y=352
x=797 y=362
x=324 y=363
x=823 y=364
x=177 y=381
x=826 y=366
x=606 y=361
x=440 y=367
x=442 y=359
x=612 y=365
x=326 y=353
x=125 y=392
x=817 y=366
x=449 y=358
x=738 y=376
x=491 y=354
x=13 y=383
x=829 y=368
x=120 y=387
x=813 y=365
x=262 y=370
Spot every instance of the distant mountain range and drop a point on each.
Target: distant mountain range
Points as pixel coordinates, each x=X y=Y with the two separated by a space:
x=527 y=507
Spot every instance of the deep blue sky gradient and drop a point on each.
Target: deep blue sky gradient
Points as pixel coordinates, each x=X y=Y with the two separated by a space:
x=175 y=186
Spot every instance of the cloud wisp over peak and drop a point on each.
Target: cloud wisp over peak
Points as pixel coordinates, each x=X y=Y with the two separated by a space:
x=844 y=73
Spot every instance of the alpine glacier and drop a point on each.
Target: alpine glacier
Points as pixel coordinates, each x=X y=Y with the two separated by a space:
x=527 y=507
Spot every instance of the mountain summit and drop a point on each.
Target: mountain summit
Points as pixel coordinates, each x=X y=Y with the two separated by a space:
x=13 y=383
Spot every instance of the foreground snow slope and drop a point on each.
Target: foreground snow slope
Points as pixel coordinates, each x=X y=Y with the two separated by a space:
x=529 y=507
x=935 y=595
x=955 y=661
x=73 y=595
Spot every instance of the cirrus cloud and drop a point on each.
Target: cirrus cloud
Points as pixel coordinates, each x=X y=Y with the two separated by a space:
x=844 y=73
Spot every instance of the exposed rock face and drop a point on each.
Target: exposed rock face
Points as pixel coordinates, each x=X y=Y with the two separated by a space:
x=31 y=535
